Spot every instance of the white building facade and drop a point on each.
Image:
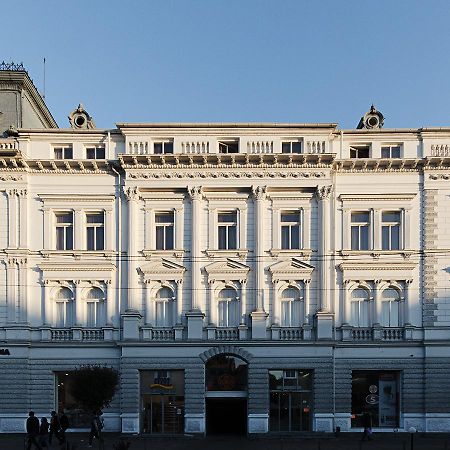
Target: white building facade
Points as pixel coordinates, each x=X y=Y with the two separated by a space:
x=287 y=276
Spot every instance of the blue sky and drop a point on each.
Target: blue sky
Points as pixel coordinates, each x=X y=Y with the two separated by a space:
x=237 y=60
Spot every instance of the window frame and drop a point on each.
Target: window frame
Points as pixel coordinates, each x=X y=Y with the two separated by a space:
x=389 y=225
x=66 y=151
x=96 y=149
x=64 y=226
x=230 y=145
x=95 y=226
x=296 y=311
x=357 y=148
x=359 y=300
x=360 y=225
x=391 y=301
x=168 y=307
x=163 y=143
x=164 y=226
x=391 y=147
x=290 y=142
x=230 y=306
x=229 y=227
x=290 y=225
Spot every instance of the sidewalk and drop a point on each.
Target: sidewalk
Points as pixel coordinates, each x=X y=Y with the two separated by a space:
x=346 y=441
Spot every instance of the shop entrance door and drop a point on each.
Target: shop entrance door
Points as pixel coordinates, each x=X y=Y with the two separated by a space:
x=226 y=416
x=163 y=414
x=290 y=411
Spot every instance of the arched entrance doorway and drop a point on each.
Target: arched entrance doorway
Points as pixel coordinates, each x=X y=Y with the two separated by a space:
x=226 y=395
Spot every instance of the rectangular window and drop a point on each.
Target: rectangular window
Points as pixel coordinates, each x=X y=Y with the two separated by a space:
x=95 y=231
x=60 y=314
x=164 y=313
x=64 y=231
x=376 y=393
x=290 y=230
x=360 y=151
x=164 y=230
x=360 y=230
x=91 y=314
x=227 y=230
x=390 y=230
x=228 y=146
x=95 y=152
x=162 y=147
x=63 y=152
x=390 y=151
x=291 y=147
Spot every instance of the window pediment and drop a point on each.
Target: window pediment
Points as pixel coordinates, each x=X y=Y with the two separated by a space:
x=292 y=268
x=163 y=268
x=227 y=270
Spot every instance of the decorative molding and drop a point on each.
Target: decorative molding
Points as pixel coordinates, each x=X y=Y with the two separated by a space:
x=131 y=193
x=225 y=350
x=195 y=192
x=239 y=253
x=291 y=269
x=259 y=192
x=11 y=177
x=82 y=266
x=324 y=192
x=48 y=198
x=376 y=197
x=280 y=252
x=441 y=176
x=163 y=270
x=226 y=271
x=170 y=174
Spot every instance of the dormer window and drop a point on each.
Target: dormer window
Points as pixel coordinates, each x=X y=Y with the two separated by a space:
x=390 y=151
x=291 y=147
x=95 y=152
x=63 y=152
x=360 y=151
x=162 y=147
x=231 y=146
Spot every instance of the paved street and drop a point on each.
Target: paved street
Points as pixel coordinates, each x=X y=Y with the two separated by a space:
x=347 y=441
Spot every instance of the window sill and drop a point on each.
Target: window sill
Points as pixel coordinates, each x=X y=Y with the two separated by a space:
x=406 y=254
x=240 y=253
x=78 y=254
x=176 y=253
x=305 y=253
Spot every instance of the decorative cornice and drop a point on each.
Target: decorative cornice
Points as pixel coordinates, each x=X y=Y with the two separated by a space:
x=66 y=166
x=11 y=177
x=378 y=265
x=169 y=173
x=84 y=266
x=376 y=197
x=48 y=198
x=219 y=160
x=131 y=193
x=441 y=176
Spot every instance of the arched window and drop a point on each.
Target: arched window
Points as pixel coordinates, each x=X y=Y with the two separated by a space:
x=291 y=308
x=226 y=373
x=94 y=307
x=390 y=308
x=164 y=307
x=63 y=307
x=228 y=308
x=360 y=308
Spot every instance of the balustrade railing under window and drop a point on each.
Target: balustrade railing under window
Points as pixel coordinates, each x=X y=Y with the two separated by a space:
x=62 y=335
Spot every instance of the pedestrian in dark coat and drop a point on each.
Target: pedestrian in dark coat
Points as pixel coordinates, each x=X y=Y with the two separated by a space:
x=55 y=427
x=43 y=432
x=367 y=424
x=33 y=431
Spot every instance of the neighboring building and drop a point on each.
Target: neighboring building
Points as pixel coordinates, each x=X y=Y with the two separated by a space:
x=286 y=277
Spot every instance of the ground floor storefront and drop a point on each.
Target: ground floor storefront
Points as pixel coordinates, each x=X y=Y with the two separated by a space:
x=236 y=389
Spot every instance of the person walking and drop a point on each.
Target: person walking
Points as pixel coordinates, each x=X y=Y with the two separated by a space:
x=64 y=422
x=43 y=433
x=96 y=427
x=55 y=427
x=33 y=431
x=367 y=424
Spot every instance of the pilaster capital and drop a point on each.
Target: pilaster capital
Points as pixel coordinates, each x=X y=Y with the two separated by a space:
x=259 y=192
x=195 y=192
x=324 y=192
x=131 y=193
